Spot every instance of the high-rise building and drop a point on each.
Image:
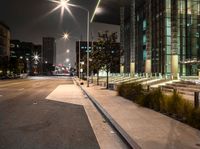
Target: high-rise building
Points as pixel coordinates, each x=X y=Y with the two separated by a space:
x=164 y=37
x=48 y=54
x=160 y=37
x=4 y=48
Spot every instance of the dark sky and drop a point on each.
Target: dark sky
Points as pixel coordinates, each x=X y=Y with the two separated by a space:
x=28 y=19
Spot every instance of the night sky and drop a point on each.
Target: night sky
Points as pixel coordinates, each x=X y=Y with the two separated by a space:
x=29 y=21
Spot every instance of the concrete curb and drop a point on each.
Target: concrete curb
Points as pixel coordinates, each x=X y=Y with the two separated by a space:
x=128 y=140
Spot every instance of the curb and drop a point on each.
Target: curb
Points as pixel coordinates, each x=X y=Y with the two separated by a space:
x=126 y=138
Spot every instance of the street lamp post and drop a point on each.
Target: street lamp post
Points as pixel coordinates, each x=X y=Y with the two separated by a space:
x=79 y=59
x=88 y=27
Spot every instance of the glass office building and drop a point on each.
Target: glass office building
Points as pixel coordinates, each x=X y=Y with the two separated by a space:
x=161 y=37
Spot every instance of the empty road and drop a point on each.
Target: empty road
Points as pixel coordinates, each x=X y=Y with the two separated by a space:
x=51 y=113
x=30 y=121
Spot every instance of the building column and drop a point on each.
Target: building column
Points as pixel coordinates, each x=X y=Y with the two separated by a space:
x=122 y=39
x=132 y=38
x=149 y=40
x=121 y=69
x=148 y=67
x=174 y=66
x=132 y=69
x=174 y=40
x=199 y=73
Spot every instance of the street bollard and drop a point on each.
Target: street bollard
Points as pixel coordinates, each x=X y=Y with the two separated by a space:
x=196 y=99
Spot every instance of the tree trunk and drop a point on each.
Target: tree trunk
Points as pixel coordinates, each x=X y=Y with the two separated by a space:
x=97 y=77
x=92 y=76
x=107 y=79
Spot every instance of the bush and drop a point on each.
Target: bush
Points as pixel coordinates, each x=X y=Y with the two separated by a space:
x=130 y=91
x=194 y=118
x=153 y=100
x=174 y=105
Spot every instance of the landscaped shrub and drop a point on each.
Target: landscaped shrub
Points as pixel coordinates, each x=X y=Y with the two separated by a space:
x=153 y=100
x=194 y=118
x=130 y=91
x=174 y=105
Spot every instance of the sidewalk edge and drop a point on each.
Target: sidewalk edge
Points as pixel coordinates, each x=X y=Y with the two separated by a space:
x=130 y=142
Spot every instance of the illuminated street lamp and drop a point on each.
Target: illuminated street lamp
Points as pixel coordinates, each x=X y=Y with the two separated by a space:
x=67 y=60
x=36 y=57
x=67 y=51
x=66 y=36
x=36 y=60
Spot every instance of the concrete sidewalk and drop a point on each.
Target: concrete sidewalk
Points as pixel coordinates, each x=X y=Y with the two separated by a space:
x=149 y=129
x=105 y=135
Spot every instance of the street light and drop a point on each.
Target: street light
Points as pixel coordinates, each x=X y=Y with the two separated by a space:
x=36 y=57
x=66 y=36
x=36 y=60
x=63 y=4
x=67 y=51
x=81 y=70
x=67 y=60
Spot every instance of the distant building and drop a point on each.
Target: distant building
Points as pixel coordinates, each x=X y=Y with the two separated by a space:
x=17 y=57
x=83 y=53
x=22 y=57
x=49 y=54
x=4 y=48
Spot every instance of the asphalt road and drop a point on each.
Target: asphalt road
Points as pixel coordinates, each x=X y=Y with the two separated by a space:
x=29 y=121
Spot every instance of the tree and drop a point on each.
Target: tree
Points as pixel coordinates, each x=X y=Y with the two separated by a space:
x=102 y=55
x=97 y=57
x=108 y=42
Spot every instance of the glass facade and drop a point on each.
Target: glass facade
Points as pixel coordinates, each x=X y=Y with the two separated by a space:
x=188 y=35
x=164 y=29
